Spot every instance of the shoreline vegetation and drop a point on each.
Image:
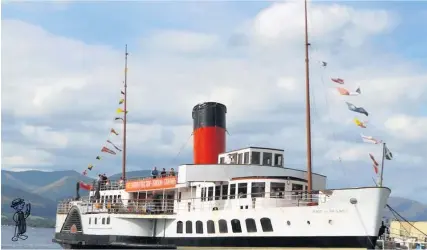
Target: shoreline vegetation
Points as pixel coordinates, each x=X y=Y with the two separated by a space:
x=32 y=221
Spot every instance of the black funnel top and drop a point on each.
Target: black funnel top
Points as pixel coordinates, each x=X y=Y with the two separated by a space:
x=209 y=114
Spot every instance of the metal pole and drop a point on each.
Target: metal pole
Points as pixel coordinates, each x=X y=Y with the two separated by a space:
x=124 y=117
x=307 y=101
x=382 y=167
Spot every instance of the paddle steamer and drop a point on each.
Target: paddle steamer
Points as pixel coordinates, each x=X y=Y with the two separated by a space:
x=241 y=198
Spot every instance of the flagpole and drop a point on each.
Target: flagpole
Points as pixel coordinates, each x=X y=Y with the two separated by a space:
x=307 y=104
x=124 y=116
x=382 y=167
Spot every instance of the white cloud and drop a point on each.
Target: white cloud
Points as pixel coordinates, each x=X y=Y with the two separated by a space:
x=407 y=128
x=285 y=21
x=19 y=155
x=44 y=136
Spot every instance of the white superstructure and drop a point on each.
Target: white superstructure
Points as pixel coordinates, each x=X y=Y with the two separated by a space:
x=228 y=205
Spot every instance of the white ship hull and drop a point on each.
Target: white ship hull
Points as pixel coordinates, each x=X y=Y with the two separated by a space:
x=348 y=218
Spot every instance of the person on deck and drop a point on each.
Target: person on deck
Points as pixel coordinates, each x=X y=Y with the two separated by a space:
x=121 y=182
x=163 y=173
x=154 y=173
x=172 y=172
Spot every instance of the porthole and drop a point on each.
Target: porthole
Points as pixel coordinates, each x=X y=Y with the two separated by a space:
x=308 y=222
x=330 y=222
x=288 y=222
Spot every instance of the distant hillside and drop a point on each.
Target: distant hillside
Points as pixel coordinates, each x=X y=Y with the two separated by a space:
x=54 y=185
x=409 y=209
x=40 y=206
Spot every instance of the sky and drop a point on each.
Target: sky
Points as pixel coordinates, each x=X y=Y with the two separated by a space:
x=63 y=67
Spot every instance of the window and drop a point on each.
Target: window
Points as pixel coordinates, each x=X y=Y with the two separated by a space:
x=298 y=190
x=258 y=189
x=221 y=160
x=235 y=226
x=103 y=221
x=250 y=225
x=217 y=192
x=232 y=191
x=179 y=227
x=267 y=159
x=199 y=227
x=256 y=158
x=246 y=158
x=222 y=226
x=119 y=198
x=114 y=198
x=179 y=196
x=90 y=219
x=240 y=158
x=278 y=160
x=203 y=194
x=211 y=227
x=233 y=158
x=242 y=190
x=266 y=225
x=277 y=190
x=210 y=193
x=189 y=227
x=297 y=187
x=224 y=191
x=108 y=220
x=96 y=221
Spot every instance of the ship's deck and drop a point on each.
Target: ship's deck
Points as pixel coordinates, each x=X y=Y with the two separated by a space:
x=165 y=207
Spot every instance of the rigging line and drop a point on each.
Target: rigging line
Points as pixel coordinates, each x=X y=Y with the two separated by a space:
x=111 y=125
x=182 y=147
x=391 y=209
x=400 y=223
x=328 y=111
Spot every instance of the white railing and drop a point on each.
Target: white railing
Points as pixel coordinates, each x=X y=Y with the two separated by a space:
x=173 y=206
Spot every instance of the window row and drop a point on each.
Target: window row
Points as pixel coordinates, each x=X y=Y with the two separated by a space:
x=110 y=199
x=254 y=159
x=103 y=220
x=222 y=192
x=223 y=227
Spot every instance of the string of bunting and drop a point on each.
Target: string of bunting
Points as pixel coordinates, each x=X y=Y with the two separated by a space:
x=361 y=123
x=109 y=146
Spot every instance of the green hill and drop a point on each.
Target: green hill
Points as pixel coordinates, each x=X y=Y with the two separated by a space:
x=409 y=209
x=32 y=221
x=40 y=206
x=54 y=185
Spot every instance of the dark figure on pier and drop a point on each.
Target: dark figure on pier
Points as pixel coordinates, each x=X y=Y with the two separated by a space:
x=382 y=230
x=19 y=217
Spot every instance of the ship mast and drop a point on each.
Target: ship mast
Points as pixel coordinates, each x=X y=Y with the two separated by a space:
x=124 y=116
x=307 y=101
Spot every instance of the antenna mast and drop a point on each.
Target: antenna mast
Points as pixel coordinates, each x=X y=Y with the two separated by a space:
x=124 y=116
x=307 y=101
